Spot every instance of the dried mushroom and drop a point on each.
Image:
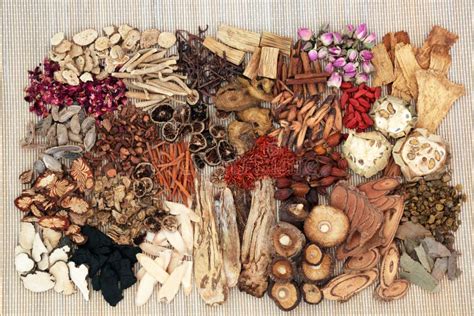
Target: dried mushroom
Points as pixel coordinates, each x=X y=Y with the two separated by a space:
x=287 y=239
x=311 y=293
x=282 y=270
x=393 y=116
x=367 y=153
x=294 y=210
x=318 y=272
x=420 y=154
x=326 y=226
x=286 y=295
x=162 y=113
x=312 y=254
x=242 y=136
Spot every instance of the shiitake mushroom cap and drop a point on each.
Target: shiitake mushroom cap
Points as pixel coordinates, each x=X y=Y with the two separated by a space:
x=294 y=209
x=287 y=239
x=317 y=272
x=282 y=269
x=162 y=113
x=326 y=226
x=286 y=295
x=311 y=293
x=312 y=254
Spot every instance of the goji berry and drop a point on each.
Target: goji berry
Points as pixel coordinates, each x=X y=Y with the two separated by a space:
x=346 y=85
x=367 y=119
x=344 y=99
x=359 y=93
x=377 y=92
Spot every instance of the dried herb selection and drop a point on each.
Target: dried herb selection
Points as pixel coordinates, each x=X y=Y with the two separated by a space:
x=207 y=167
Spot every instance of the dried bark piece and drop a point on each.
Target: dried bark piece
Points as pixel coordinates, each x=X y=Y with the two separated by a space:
x=436 y=97
x=409 y=66
x=82 y=174
x=238 y=38
x=344 y=286
x=366 y=261
x=397 y=290
x=440 y=60
x=437 y=36
x=453 y=270
x=232 y=55
x=389 y=267
x=256 y=249
x=384 y=71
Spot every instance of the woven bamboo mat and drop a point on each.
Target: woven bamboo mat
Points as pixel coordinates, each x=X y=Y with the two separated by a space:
x=27 y=27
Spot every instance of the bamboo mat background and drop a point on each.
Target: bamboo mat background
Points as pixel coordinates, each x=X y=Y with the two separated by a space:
x=26 y=29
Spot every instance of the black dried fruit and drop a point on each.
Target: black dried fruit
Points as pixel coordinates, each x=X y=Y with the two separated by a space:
x=162 y=113
x=170 y=131
x=197 y=143
x=182 y=113
x=226 y=151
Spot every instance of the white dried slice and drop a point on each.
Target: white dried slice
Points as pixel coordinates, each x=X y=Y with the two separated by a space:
x=63 y=283
x=80 y=62
x=89 y=63
x=367 y=153
x=57 y=38
x=152 y=268
x=186 y=231
x=149 y=38
x=63 y=47
x=178 y=208
x=124 y=29
x=148 y=282
x=109 y=30
x=95 y=70
x=171 y=287
x=70 y=77
x=56 y=57
x=85 y=37
x=160 y=239
x=19 y=249
x=102 y=43
x=175 y=239
x=38 y=248
x=131 y=40
x=59 y=254
x=393 y=116
x=51 y=238
x=24 y=263
x=43 y=264
x=420 y=154
x=151 y=249
x=27 y=235
x=86 y=77
x=188 y=277
x=175 y=261
x=75 y=51
x=166 y=39
x=115 y=39
x=38 y=281
x=116 y=52
x=79 y=277
x=149 y=236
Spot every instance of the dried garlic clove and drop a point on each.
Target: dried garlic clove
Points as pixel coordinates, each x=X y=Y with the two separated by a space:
x=393 y=116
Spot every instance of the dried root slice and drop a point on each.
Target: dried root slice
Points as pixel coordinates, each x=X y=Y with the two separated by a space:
x=282 y=270
x=23 y=263
x=54 y=222
x=27 y=235
x=286 y=295
x=59 y=254
x=380 y=187
x=327 y=226
x=79 y=277
x=82 y=174
x=389 y=268
x=367 y=261
x=344 y=286
x=75 y=204
x=171 y=287
x=312 y=254
x=311 y=293
x=166 y=39
x=63 y=283
x=397 y=290
x=38 y=281
x=319 y=272
x=152 y=268
x=287 y=239
x=85 y=37
x=45 y=180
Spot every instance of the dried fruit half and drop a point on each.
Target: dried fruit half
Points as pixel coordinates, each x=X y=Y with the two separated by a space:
x=285 y=294
x=420 y=154
x=287 y=239
x=54 y=222
x=82 y=174
x=367 y=153
x=393 y=116
x=326 y=226
x=311 y=293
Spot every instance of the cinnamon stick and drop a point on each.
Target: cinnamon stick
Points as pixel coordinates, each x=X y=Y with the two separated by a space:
x=312 y=88
x=318 y=69
x=304 y=81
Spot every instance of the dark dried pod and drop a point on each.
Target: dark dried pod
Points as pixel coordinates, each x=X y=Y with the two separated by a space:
x=283 y=194
x=211 y=157
x=312 y=196
x=300 y=189
x=217 y=131
x=282 y=183
x=198 y=127
x=222 y=114
x=170 y=131
x=226 y=151
x=199 y=112
x=197 y=143
x=139 y=188
x=185 y=130
x=211 y=142
x=198 y=161
x=170 y=223
x=162 y=113
x=182 y=113
x=144 y=169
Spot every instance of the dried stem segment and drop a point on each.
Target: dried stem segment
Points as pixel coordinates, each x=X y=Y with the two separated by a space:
x=280 y=42
x=240 y=39
x=345 y=286
x=256 y=249
x=232 y=55
x=252 y=67
x=268 y=62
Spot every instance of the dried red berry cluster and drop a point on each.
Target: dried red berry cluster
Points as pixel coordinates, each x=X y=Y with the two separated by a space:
x=97 y=97
x=266 y=159
x=356 y=102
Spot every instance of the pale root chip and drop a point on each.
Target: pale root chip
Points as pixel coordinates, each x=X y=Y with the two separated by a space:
x=399 y=86
x=384 y=72
x=391 y=39
x=436 y=96
x=437 y=36
x=409 y=66
x=440 y=59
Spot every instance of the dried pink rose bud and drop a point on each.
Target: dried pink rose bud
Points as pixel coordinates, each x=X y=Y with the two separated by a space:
x=340 y=62
x=326 y=39
x=335 y=80
x=305 y=33
x=361 y=31
x=366 y=55
x=367 y=67
x=361 y=77
x=313 y=55
x=329 y=68
x=352 y=54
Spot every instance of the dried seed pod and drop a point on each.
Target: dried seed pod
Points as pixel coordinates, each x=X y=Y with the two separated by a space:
x=286 y=295
x=212 y=157
x=182 y=113
x=226 y=151
x=287 y=240
x=326 y=226
x=367 y=261
x=217 y=131
x=162 y=113
x=396 y=290
x=312 y=254
x=311 y=293
x=318 y=272
x=282 y=183
x=282 y=270
x=300 y=189
x=197 y=143
x=170 y=131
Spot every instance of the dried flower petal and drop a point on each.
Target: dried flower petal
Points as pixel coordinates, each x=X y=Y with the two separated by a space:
x=337 y=37
x=335 y=51
x=361 y=31
x=322 y=53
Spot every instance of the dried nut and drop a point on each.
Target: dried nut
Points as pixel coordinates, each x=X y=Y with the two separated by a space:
x=393 y=116
x=326 y=226
x=166 y=39
x=285 y=294
x=287 y=240
x=300 y=189
x=85 y=37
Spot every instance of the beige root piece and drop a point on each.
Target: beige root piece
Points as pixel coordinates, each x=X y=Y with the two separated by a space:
x=208 y=262
x=268 y=62
x=63 y=283
x=151 y=267
x=405 y=57
x=384 y=71
x=166 y=39
x=240 y=39
x=280 y=42
x=171 y=287
x=256 y=247
x=389 y=267
x=147 y=281
x=85 y=37
x=344 y=286
x=252 y=67
x=232 y=55
x=397 y=290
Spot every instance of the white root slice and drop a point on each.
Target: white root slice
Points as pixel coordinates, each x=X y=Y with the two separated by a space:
x=24 y=263
x=151 y=249
x=176 y=260
x=175 y=239
x=19 y=249
x=38 y=248
x=178 y=208
x=186 y=230
x=171 y=287
x=63 y=283
x=51 y=238
x=43 y=264
x=152 y=268
x=160 y=239
x=59 y=254
x=79 y=277
x=187 y=280
x=38 y=281
x=150 y=236
x=27 y=235
x=165 y=255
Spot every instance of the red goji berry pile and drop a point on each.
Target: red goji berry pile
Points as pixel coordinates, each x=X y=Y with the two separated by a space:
x=356 y=102
x=265 y=159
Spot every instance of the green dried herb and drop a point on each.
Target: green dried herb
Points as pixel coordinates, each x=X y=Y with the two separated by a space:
x=415 y=273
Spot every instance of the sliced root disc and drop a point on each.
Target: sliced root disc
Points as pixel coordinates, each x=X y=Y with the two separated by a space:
x=396 y=290
x=389 y=268
x=364 y=262
x=327 y=226
x=286 y=295
x=346 y=285
x=311 y=293
x=318 y=272
x=313 y=254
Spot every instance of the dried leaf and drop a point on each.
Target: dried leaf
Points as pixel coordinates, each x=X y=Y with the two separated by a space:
x=415 y=273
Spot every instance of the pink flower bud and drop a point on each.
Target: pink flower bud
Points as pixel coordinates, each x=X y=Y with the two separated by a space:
x=326 y=39
x=335 y=51
x=329 y=68
x=340 y=62
x=349 y=67
x=313 y=55
x=361 y=31
x=352 y=54
x=367 y=67
x=322 y=53
x=366 y=55
x=349 y=75
x=362 y=77
x=370 y=39
x=305 y=33
x=337 y=37
x=335 y=80
x=348 y=30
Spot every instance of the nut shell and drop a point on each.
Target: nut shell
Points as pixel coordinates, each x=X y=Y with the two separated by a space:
x=326 y=226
